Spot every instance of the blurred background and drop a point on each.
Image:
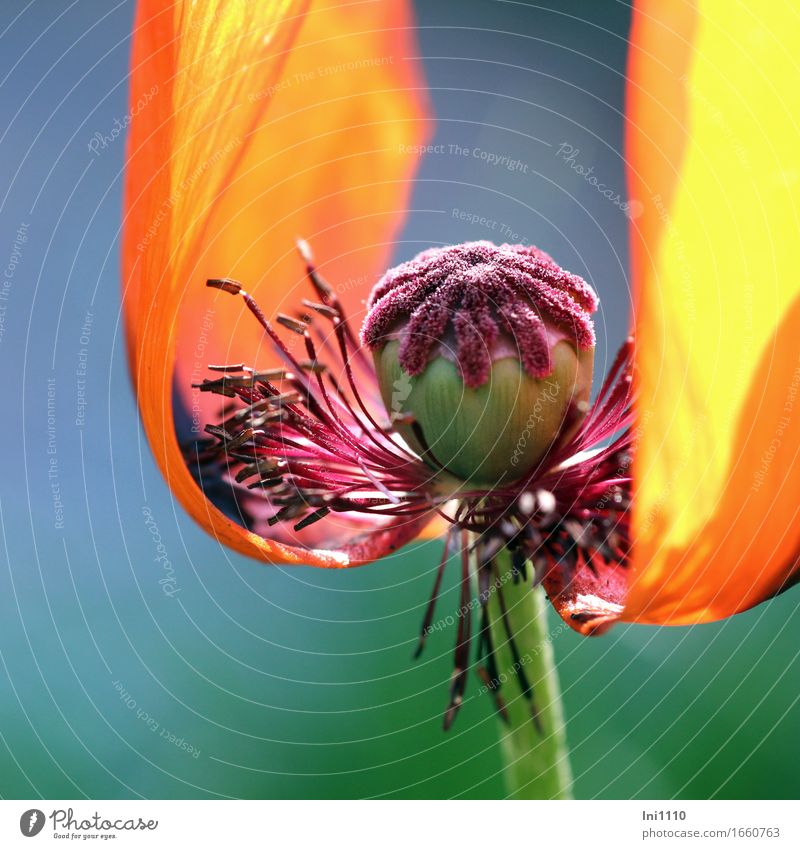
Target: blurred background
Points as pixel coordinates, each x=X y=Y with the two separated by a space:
x=253 y=681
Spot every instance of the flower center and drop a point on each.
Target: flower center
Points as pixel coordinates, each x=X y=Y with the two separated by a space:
x=472 y=302
x=304 y=442
x=484 y=355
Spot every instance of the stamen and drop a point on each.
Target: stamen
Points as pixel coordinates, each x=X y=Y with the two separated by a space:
x=313 y=517
x=322 y=309
x=458 y=678
x=225 y=284
x=262 y=467
x=237 y=367
x=426 y=622
x=292 y=324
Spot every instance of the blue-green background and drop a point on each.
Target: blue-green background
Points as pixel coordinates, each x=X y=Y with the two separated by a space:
x=296 y=682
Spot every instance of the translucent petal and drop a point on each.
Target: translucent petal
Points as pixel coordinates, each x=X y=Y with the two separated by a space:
x=262 y=121
x=713 y=146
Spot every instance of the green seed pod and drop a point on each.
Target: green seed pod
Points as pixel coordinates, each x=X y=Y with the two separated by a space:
x=491 y=434
x=484 y=356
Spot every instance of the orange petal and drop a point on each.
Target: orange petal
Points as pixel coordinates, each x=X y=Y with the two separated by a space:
x=241 y=145
x=714 y=156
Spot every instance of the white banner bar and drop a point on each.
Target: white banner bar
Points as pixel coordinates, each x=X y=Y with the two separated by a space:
x=386 y=824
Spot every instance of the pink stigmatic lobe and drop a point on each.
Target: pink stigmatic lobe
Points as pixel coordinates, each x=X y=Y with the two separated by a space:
x=465 y=299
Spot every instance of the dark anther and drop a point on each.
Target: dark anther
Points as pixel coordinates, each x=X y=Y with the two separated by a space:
x=219 y=432
x=313 y=366
x=293 y=324
x=220 y=387
x=225 y=284
x=245 y=436
x=312 y=517
x=322 y=309
x=290 y=511
x=237 y=367
x=262 y=467
x=266 y=483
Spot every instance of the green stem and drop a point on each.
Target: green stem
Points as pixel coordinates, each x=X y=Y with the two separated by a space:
x=536 y=758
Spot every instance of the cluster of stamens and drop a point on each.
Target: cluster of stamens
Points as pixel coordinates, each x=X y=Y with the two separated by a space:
x=308 y=444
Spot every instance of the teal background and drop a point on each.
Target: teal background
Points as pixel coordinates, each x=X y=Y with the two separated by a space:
x=297 y=682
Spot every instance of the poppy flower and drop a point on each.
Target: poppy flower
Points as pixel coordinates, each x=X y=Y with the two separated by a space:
x=300 y=429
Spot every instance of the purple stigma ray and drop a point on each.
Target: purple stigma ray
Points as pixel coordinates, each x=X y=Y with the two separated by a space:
x=470 y=296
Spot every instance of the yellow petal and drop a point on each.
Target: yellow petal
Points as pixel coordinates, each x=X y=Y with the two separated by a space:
x=714 y=157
